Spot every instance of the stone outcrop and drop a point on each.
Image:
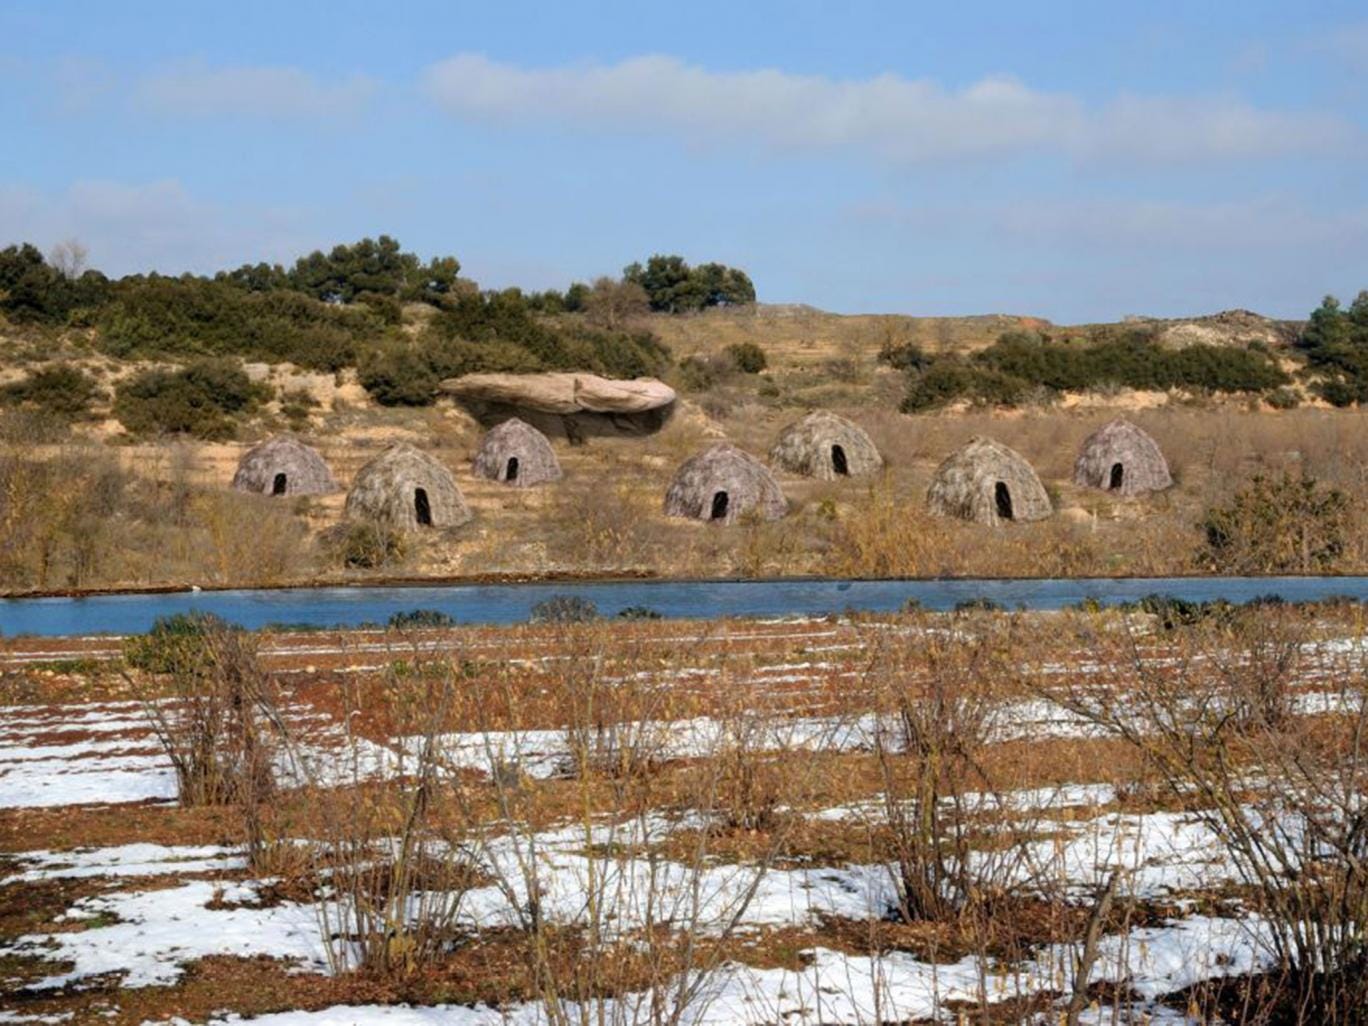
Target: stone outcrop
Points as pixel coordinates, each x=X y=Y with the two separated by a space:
x=565 y=403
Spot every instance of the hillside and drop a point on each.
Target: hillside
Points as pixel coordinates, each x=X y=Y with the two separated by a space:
x=794 y=334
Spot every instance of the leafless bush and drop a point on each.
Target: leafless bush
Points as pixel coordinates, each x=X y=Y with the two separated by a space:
x=214 y=712
x=642 y=927
x=1287 y=795
x=392 y=865
x=937 y=717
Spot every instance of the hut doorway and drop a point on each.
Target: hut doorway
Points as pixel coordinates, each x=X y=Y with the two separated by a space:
x=1118 y=474
x=421 y=508
x=720 y=502
x=511 y=471
x=1002 y=497
x=838 y=461
x=278 y=485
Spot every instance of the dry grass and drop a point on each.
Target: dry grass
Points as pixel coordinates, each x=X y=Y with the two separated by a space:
x=387 y=843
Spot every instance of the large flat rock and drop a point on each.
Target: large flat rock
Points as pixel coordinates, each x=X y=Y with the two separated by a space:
x=563 y=392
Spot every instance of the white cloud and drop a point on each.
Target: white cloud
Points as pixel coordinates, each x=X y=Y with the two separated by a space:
x=889 y=117
x=149 y=226
x=195 y=89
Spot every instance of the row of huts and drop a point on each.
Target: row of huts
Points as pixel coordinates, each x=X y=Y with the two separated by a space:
x=983 y=481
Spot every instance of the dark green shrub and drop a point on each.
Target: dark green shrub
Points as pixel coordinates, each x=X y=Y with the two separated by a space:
x=981 y=604
x=158 y=317
x=747 y=357
x=418 y=619
x=1287 y=524
x=1021 y=364
x=638 y=613
x=399 y=377
x=175 y=644
x=1283 y=399
x=564 y=609
x=903 y=356
x=60 y=389
x=200 y=399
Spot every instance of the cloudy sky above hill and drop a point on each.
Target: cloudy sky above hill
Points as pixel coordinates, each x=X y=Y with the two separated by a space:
x=1073 y=161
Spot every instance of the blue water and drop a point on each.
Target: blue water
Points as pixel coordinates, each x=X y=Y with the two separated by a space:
x=512 y=603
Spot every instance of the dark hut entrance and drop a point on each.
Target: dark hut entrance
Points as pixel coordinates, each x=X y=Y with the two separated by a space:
x=278 y=485
x=421 y=509
x=838 y=461
x=1002 y=497
x=1118 y=474
x=511 y=472
x=719 y=506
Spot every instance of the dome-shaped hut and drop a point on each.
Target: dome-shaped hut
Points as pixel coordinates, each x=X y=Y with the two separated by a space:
x=407 y=489
x=517 y=454
x=722 y=484
x=987 y=482
x=283 y=466
x=826 y=446
x=1123 y=459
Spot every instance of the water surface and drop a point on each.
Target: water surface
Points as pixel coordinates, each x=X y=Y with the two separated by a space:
x=512 y=603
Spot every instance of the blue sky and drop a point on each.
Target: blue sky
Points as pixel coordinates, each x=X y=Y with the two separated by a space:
x=1074 y=161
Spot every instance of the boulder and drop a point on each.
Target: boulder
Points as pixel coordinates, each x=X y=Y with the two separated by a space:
x=564 y=404
x=562 y=392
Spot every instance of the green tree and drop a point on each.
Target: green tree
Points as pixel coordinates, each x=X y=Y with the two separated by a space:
x=373 y=265
x=672 y=286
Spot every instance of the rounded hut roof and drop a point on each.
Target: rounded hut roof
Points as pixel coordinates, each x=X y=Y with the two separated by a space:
x=407 y=489
x=723 y=484
x=283 y=465
x=1122 y=458
x=517 y=454
x=826 y=446
x=987 y=482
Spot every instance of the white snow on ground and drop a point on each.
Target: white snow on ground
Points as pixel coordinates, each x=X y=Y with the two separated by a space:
x=158 y=930
x=836 y=988
x=37 y=771
x=125 y=860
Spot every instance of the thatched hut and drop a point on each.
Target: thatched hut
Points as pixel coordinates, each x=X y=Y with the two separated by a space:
x=517 y=454
x=283 y=466
x=408 y=490
x=826 y=446
x=987 y=482
x=723 y=484
x=1121 y=458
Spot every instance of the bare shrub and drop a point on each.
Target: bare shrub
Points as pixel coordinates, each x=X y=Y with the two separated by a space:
x=644 y=927
x=392 y=861
x=213 y=711
x=1285 y=794
x=937 y=717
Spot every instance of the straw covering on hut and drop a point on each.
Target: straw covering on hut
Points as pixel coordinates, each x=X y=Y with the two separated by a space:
x=826 y=446
x=408 y=490
x=517 y=454
x=723 y=484
x=1123 y=459
x=283 y=466
x=987 y=482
